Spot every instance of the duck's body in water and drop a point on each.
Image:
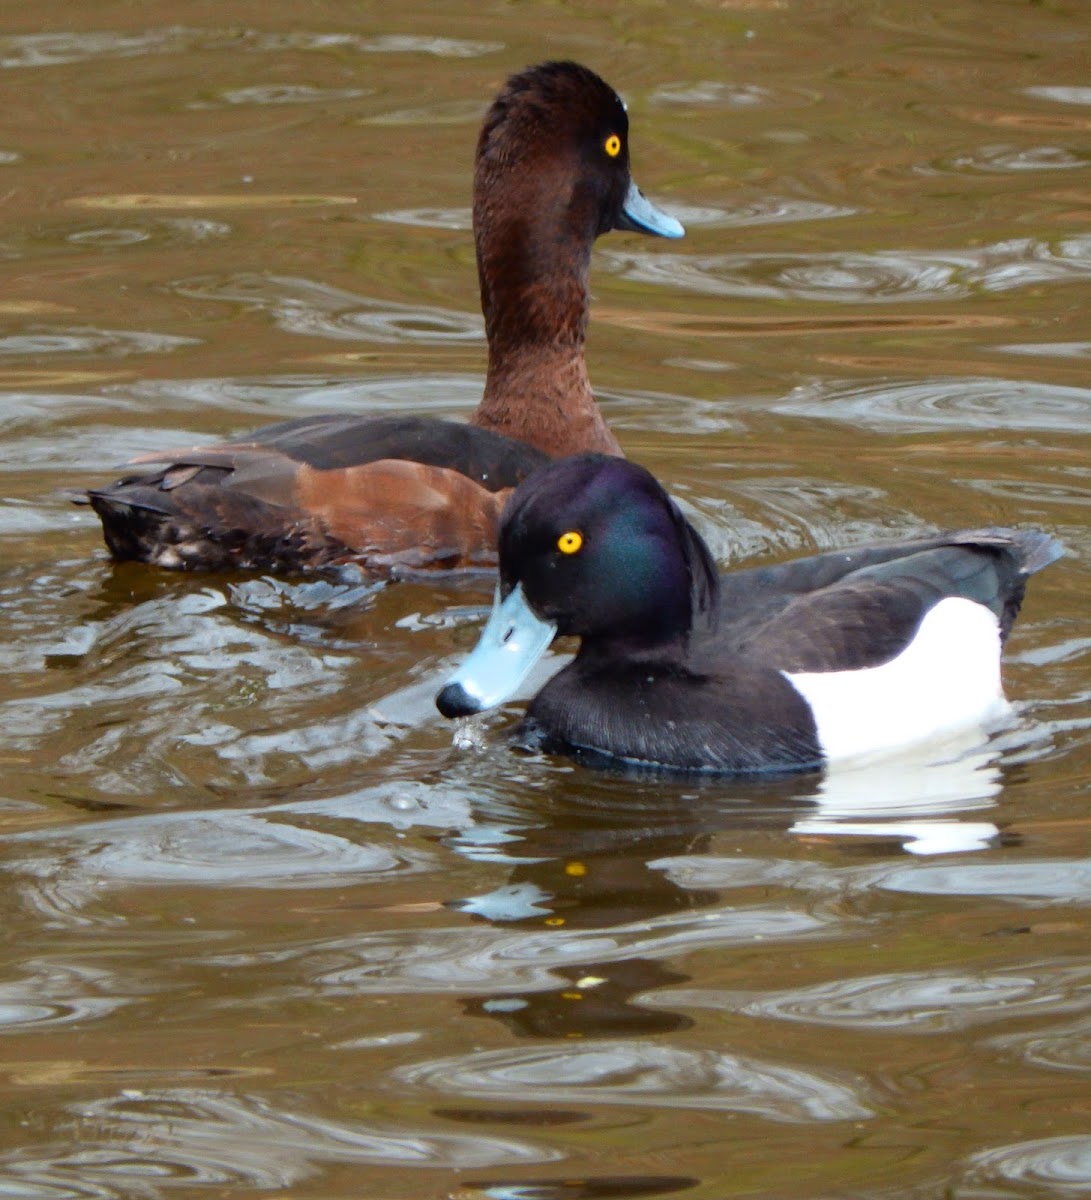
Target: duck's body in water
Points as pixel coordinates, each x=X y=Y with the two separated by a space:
x=836 y=657
x=413 y=493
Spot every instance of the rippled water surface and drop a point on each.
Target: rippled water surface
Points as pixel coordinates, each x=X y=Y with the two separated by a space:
x=268 y=929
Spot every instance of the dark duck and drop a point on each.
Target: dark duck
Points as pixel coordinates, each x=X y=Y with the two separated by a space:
x=412 y=493
x=841 y=656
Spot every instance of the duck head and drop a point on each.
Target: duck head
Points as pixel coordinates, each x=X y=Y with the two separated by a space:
x=590 y=546
x=558 y=134
x=551 y=175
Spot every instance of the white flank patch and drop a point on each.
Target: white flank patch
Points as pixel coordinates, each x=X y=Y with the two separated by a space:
x=947 y=678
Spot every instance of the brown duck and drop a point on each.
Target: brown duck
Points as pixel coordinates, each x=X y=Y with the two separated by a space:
x=406 y=493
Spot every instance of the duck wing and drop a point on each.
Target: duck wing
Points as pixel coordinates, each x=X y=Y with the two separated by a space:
x=848 y=610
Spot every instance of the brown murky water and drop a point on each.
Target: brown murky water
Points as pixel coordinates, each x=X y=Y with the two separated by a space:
x=266 y=930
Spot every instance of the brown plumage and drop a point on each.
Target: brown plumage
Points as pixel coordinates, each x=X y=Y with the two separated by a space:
x=412 y=493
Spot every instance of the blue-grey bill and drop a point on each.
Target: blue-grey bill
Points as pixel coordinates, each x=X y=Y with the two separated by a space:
x=639 y=215
x=513 y=640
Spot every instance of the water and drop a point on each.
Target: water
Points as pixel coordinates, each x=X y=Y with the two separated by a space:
x=273 y=927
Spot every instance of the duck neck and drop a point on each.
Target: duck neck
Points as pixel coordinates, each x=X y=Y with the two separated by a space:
x=639 y=654
x=542 y=396
x=534 y=295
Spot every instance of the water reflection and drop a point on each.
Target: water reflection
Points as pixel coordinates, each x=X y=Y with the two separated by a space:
x=167 y=229
x=45 y=340
x=1050 y=349
x=436 y=393
x=764 y=210
x=913 y=1002
x=1005 y=157
x=595 y=999
x=429 y=218
x=882 y=276
x=1063 y=95
x=1058 y=1048
x=54 y=992
x=52 y=49
x=1057 y=1166
x=595 y=904
x=264 y=94
x=588 y=874
x=962 y=402
x=449 y=112
x=717 y=93
x=454 y=960
x=1056 y=880
x=642 y=1073
x=760 y=516
x=223 y=849
x=916 y=798
x=42 y=410
x=189 y=1137
x=301 y=306
x=153 y=201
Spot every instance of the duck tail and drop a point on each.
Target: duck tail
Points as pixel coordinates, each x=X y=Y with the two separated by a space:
x=1018 y=554
x=1037 y=550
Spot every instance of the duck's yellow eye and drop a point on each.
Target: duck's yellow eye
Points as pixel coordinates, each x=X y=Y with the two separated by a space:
x=570 y=542
x=612 y=145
